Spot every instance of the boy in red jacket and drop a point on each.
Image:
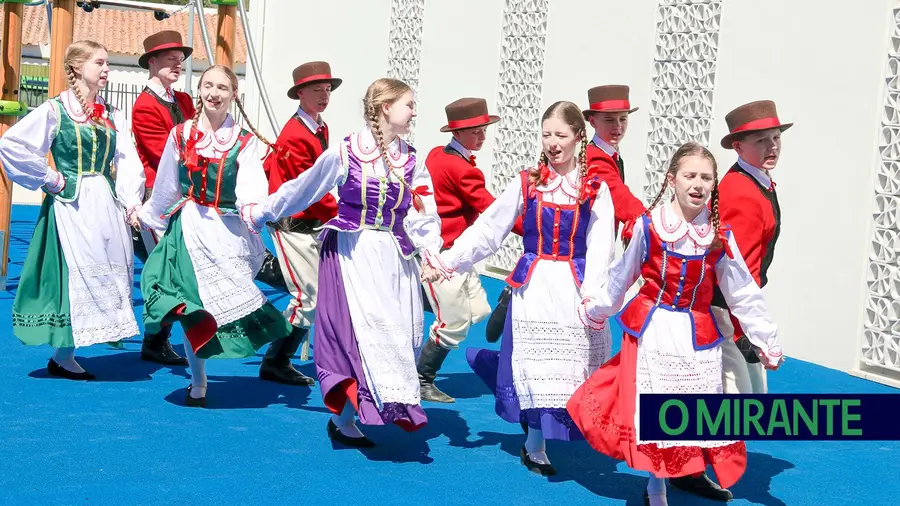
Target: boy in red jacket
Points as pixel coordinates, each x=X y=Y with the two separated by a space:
x=301 y=141
x=156 y=112
x=461 y=196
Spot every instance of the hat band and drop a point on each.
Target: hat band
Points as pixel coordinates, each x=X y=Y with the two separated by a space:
x=167 y=45
x=758 y=124
x=606 y=105
x=469 y=122
x=314 y=77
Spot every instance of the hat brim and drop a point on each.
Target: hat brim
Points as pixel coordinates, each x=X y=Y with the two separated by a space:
x=292 y=92
x=491 y=120
x=729 y=139
x=588 y=112
x=144 y=60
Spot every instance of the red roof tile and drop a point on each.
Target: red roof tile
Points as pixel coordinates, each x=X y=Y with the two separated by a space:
x=123 y=31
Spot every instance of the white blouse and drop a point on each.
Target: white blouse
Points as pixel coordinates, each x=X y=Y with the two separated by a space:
x=24 y=148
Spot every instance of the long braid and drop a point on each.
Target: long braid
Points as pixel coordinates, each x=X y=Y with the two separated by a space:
x=372 y=118
x=250 y=125
x=582 y=159
x=714 y=206
x=73 y=87
x=659 y=196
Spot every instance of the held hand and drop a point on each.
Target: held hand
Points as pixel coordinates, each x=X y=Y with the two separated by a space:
x=766 y=361
x=131 y=217
x=430 y=274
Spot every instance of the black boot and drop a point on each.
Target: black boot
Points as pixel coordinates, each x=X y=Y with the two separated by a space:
x=276 y=365
x=498 y=317
x=702 y=486
x=430 y=362
x=156 y=348
x=270 y=273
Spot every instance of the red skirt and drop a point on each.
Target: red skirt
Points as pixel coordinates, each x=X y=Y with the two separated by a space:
x=603 y=409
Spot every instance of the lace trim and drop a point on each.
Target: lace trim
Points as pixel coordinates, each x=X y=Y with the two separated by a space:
x=673 y=229
x=674 y=458
x=388 y=353
x=100 y=303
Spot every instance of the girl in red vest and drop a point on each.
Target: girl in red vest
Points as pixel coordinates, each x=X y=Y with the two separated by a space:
x=671 y=342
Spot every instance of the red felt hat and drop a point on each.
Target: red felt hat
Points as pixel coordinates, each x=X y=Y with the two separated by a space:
x=309 y=73
x=752 y=117
x=162 y=41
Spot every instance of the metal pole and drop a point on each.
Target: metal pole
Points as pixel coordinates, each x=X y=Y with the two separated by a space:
x=251 y=55
x=205 y=33
x=189 y=65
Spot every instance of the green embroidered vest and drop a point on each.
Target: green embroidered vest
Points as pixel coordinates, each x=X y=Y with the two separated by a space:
x=81 y=149
x=213 y=182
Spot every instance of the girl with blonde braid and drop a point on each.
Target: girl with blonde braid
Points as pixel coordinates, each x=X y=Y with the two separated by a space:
x=201 y=272
x=671 y=344
x=548 y=349
x=369 y=320
x=75 y=287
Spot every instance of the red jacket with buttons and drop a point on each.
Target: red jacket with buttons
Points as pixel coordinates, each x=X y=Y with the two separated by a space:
x=627 y=207
x=151 y=123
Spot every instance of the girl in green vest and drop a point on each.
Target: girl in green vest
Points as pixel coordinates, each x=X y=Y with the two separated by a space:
x=75 y=286
x=201 y=272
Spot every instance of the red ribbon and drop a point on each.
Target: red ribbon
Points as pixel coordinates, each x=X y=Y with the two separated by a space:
x=417 y=194
x=97 y=112
x=469 y=122
x=167 y=45
x=606 y=105
x=314 y=77
x=192 y=159
x=758 y=124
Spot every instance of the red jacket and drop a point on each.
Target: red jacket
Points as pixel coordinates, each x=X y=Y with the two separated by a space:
x=459 y=192
x=753 y=213
x=297 y=150
x=151 y=123
x=627 y=207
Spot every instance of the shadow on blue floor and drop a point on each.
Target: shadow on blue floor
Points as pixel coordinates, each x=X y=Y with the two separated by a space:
x=127 y=439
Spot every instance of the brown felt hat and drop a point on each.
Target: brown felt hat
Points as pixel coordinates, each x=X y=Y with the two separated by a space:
x=468 y=113
x=309 y=73
x=162 y=41
x=609 y=98
x=752 y=117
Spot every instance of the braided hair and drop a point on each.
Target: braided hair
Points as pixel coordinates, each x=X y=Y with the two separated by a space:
x=571 y=114
x=77 y=54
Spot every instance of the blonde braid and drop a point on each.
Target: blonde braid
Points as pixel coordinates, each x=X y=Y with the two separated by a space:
x=372 y=117
x=73 y=87
x=714 y=205
x=250 y=125
x=582 y=159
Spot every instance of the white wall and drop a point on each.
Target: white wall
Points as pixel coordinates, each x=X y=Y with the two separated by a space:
x=824 y=68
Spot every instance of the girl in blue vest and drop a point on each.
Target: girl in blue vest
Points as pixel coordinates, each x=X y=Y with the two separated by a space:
x=548 y=349
x=75 y=286
x=201 y=273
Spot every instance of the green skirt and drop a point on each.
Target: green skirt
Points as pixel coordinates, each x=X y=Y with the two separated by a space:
x=40 y=311
x=170 y=292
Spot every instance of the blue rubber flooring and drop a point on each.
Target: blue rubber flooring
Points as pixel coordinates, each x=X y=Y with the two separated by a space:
x=127 y=440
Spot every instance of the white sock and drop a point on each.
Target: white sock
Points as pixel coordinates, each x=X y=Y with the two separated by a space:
x=536 y=447
x=65 y=357
x=198 y=372
x=656 y=489
x=346 y=421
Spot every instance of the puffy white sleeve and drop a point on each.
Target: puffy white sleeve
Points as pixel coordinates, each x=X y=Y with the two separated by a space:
x=24 y=148
x=130 y=177
x=252 y=187
x=298 y=194
x=486 y=235
x=166 y=188
x=424 y=227
x=606 y=297
x=746 y=302
x=600 y=242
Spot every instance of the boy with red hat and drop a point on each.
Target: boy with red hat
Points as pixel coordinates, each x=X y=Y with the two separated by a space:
x=461 y=196
x=156 y=112
x=301 y=141
x=748 y=203
x=607 y=112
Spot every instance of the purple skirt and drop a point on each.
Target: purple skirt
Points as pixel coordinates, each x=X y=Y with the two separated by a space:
x=338 y=365
x=495 y=369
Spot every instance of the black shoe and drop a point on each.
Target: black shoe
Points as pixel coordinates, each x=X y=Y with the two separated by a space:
x=430 y=361
x=270 y=273
x=191 y=402
x=337 y=436
x=157 y=348
x=702 y=486
x=497 y=320
x=58 y=371
x=535 y=467
x=276 y=365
